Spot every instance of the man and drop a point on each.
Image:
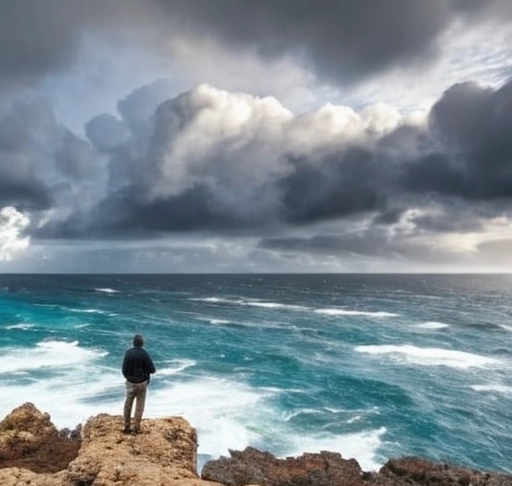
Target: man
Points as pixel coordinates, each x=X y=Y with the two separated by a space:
x=137 y=368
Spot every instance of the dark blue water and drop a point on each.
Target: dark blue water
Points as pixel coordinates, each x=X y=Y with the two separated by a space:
x=371 y=366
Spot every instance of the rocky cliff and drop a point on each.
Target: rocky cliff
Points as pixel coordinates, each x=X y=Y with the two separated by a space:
x=34 y=453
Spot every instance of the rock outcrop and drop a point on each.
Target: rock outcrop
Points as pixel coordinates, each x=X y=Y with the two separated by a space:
x=330 y=469
x=28 y=439
x=34 y=453
x=163 y=454
x=255 y=467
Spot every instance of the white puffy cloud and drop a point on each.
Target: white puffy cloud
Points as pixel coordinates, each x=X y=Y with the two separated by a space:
x=12 y=224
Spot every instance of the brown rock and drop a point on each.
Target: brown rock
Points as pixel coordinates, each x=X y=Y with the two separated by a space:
x=329 y=469
x=34 y=453
x=164 y=454
x=415 y=471
x=166 y=448
x=254 y=467
x=28 y=439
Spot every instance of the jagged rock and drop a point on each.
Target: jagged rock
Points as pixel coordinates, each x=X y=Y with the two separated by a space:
x=415 y=471
x=28 y=439
x=251 y=466
x=163 y=454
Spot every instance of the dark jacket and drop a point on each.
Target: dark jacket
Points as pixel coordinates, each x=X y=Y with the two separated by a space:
x=137 y=365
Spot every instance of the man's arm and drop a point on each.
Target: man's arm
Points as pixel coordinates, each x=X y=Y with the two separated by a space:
x=124 y=368
x=150 y=365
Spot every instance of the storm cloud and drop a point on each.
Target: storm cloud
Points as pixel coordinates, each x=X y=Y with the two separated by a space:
x=210 y=160
x=340 y=41
x=365 y=179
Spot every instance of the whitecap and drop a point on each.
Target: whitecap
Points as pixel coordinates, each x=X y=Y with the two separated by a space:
x=214 y=321
x=23 y=327
x=107 y=290
x=60 y=378
x=428 y=356
x=433 y=325
x=87 y=311
x=179 y=365
x=275 y=305
x=362 y=446
x=497 y=387
x=219 y=321
x=346 y=312
x=46 y=354
x=251 y=303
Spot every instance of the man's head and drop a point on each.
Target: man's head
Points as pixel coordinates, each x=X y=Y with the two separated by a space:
x=138 y=341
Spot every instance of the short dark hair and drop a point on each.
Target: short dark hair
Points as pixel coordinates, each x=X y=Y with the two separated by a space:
x=138 y=340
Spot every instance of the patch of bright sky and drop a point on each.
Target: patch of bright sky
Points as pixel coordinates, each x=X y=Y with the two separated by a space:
x=482 y=54
x=107 y=72
x=103 y=75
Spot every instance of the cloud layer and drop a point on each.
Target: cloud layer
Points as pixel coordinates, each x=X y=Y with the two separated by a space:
x=340 y=41
x=368 y=182
x=235 y=164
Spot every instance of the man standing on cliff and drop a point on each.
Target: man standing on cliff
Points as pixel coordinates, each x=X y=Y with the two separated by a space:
x=137 y=368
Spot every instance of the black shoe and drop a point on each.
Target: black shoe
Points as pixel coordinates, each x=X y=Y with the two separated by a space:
x=136 y=431
x=127 y=430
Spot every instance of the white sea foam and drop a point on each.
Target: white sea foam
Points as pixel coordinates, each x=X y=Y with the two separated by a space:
x=87 y=311
x=276 y=305
x=432 y=325
x=46 y=354
x=227 y=414
x=222 y=411
x=428 y=356
x=107 y=290
x=211 y=320
x=347 y=312
x=178 y=366
x=496 y=387
x=232 y=415
x=251 y=303
x=219 y=321
x=61 y=378
x=23 y=326
x=362 y=446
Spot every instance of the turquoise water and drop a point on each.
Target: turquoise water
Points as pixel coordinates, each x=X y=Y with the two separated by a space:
x=371 y=366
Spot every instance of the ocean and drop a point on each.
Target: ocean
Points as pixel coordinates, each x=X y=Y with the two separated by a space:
x=371 y=366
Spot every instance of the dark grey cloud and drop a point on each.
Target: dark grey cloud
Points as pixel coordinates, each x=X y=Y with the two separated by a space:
x=106 y=132
x=342 y=41
x=337 y=186
x=196 y=164
x=23 y=133
x=37 y=38
x=74 y=157
x=473 y=160
x=233 y=164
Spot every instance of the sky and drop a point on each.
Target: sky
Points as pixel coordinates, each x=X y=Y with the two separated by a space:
x=295 y=136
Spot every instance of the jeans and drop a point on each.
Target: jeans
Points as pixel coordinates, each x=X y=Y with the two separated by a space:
x=137 y=392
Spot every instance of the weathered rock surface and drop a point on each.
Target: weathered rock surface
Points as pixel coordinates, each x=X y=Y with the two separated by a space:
x=163 y=454
x=28 y=439
x=34 y=453
x=254 y=467
x=330 y=469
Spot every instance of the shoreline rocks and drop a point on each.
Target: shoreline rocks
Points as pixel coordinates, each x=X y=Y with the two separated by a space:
x=34 y=453
x=251 y=466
